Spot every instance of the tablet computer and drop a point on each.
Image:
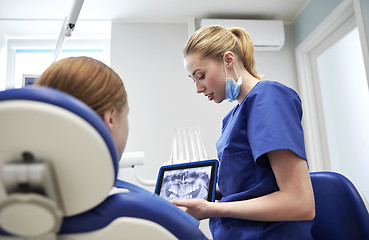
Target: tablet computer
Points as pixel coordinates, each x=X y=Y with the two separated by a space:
x=188 y=180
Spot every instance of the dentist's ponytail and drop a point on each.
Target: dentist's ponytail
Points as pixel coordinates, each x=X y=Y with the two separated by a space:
x=247 y=50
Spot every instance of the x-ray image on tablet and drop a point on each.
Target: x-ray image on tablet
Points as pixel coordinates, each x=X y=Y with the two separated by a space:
x=188 y=180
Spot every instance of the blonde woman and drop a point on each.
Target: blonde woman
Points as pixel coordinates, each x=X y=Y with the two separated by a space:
x=263 y=173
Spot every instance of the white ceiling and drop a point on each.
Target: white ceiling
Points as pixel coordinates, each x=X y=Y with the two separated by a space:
x=153 y=10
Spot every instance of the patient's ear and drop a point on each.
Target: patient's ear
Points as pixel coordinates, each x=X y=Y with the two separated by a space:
x=109 y=118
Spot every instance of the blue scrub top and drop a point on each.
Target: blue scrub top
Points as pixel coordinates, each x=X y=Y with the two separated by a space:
x=268 y=119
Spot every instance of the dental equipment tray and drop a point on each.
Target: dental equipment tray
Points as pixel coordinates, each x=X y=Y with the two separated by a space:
x=188 y=180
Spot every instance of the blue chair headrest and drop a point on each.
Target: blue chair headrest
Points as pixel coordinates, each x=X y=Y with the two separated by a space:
x=58 y=128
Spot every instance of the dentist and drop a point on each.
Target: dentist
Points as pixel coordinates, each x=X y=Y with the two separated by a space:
x=263 y=173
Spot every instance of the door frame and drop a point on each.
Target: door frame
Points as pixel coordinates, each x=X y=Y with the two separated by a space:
x=314 y=125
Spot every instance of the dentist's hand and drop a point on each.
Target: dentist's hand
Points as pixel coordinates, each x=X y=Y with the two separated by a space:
x=198 y=208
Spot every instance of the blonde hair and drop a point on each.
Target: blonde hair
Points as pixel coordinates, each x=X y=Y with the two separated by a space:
x=87 y=79
x=214 y=41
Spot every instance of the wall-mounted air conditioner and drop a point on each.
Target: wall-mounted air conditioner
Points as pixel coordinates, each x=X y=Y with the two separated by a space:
x=267 y=35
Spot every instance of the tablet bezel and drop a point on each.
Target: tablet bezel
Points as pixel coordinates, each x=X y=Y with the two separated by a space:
x=213 y=163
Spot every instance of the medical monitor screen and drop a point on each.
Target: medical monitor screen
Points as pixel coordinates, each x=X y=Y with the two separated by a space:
x=29 y=79
x=188 y=180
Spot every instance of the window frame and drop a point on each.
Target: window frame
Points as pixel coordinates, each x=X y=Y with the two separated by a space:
x=37 y=44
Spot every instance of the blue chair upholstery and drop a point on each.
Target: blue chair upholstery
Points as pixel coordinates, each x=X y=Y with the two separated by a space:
x=340 y=211
x=43 y=128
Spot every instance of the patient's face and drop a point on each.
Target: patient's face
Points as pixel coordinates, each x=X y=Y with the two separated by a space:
x=120 y=129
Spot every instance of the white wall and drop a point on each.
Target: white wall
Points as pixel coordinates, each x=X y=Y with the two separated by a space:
x=280 y=66
x=148 y=57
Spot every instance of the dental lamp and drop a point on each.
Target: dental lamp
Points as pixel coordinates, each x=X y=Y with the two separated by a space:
x=68 y=26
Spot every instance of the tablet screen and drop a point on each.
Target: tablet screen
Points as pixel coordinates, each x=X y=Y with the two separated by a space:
x=188 y=180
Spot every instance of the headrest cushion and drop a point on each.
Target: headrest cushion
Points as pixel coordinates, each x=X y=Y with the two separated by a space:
x=60 y=129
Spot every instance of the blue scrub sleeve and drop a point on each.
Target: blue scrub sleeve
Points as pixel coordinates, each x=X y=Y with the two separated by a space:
x=274 y=122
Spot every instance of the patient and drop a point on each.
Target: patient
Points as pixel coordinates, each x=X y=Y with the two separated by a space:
x=97 y=85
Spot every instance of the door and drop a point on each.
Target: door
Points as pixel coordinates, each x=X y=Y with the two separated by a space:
x=341 y=81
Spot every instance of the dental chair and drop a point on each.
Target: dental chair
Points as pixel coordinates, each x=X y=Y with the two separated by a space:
x=340 y=212
x=58 y=165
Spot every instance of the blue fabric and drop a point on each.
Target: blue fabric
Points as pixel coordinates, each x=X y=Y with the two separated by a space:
x=137 y=205
x=268 y=119
x=340 y=212
x=157 y=198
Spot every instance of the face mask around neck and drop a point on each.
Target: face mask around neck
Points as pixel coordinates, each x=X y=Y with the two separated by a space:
x=232 y=87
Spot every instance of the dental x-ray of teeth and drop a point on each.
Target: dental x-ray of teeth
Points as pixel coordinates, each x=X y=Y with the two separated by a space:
x=186 y=183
